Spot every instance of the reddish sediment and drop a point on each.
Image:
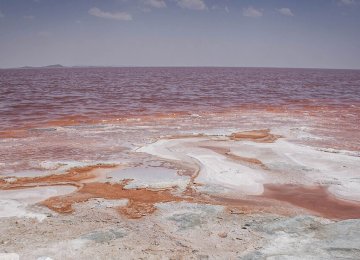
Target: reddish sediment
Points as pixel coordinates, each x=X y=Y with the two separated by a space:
x=345 y=115
x=260 y=136
x=315 y=199
x=184 y=136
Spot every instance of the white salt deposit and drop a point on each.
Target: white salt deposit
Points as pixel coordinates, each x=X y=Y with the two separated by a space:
x=304 y=164
x=15 y=203
x=215 y=169
x=338 y=170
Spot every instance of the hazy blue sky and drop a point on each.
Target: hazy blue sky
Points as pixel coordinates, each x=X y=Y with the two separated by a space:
x=266 y=33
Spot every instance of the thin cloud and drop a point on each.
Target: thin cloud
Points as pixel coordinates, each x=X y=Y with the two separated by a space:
x=285 y=11
x=252 y=12
x=220 y=8
x=347 y=2
x=155 y=3
x=192 y=4
x=1 y=15
x=120 y=16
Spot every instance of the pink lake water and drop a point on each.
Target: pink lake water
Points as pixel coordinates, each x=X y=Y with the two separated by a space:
x=31 y=97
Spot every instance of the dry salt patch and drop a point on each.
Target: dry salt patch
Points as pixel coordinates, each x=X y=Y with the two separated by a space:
x=28 y=174
x=9 y=256
x=16 y=203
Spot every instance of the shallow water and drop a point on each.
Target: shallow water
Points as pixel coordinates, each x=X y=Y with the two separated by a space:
x=148 y=177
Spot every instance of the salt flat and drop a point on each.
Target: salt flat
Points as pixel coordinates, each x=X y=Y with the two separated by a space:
x=247 y=194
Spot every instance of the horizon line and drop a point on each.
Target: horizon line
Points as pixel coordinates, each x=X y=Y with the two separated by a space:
x=59 y=66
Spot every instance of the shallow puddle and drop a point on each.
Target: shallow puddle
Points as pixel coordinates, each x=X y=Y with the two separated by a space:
x=148 y=177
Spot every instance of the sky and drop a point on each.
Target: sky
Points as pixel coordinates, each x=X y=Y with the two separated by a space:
x=234 y=33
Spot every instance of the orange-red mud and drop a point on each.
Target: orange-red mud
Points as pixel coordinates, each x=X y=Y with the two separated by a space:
x=13 y=134
x=243 y=160
x=260 y=136
x=315 y=199
x=141 y=201
x=247 y=160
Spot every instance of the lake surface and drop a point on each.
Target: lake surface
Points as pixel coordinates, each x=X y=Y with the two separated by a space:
x=31 y=97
